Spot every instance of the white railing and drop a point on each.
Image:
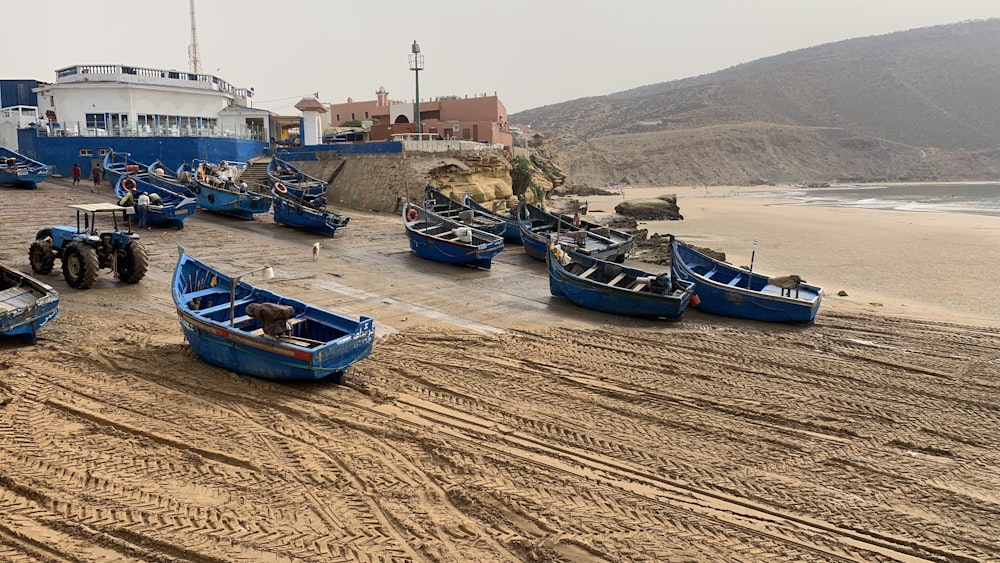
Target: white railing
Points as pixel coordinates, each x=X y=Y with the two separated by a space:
x=447 y=145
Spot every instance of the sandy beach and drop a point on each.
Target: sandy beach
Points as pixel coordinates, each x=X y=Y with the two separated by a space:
x=494 y=422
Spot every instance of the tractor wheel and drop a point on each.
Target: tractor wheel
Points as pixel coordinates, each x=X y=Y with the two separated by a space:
x=44 y=233
x=41 y=256
x=80 y=265
x=132 y=267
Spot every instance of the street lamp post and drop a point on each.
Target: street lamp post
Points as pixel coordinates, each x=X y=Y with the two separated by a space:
x=416 y=65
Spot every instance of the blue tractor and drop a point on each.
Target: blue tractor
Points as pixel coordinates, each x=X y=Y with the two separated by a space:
x=85 y=250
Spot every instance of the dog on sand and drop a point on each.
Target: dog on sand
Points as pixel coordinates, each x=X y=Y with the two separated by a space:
x=787 y=284
x=316 y=248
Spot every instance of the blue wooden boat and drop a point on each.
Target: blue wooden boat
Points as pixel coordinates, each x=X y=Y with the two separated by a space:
x=252 y=331
x=437 y=202
x=25 y=304
x=179 y=180
x=538 y=227
x=609 y=287
x=512 y=231
x=172 y=208
x=724 y=289
x=299 y=200
x=20 y=171
x=440 y=239
x=220 y=189
x=290 y=180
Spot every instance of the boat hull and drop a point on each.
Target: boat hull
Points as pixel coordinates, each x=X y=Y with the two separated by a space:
x=538 y=227
x=725 y=290
x=24 y=173
x=306 y=218
x=26 y=304
x=228 y=202
x=591 y=293
x=175 y=208
x=432 y=237
x=316 y=344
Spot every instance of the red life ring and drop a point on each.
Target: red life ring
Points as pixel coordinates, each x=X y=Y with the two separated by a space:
x=128 y=184
x=411 y=215
x=281 y=188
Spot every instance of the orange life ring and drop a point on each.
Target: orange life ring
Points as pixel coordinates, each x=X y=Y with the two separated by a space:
x=128 y=184
x=281 y=188
x=411 y=215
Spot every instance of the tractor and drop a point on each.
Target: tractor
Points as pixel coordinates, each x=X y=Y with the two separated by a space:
x=84 y=250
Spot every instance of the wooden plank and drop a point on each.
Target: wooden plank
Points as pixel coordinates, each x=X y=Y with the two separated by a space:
x=617 y=279
x=589 y=272
x=205 y=293
x=639 y=286
x=735 y=280
x=225 y=306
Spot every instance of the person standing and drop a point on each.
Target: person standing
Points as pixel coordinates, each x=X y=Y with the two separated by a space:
x=76 y=176
x=143 y=205
x=96 y=172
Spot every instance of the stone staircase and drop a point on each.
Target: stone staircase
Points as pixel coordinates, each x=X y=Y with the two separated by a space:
x=255 y=175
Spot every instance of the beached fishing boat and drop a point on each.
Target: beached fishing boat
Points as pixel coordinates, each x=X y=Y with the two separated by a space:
x=724 y=289
x=440 y=239
x=610 y=287
x=25 y=304
x=538 y=227
x=437 y=202
x=300 y=200
x=20 y=171
x=219 y=188
x=252 y=331
x=168 y=208
x=512 y=231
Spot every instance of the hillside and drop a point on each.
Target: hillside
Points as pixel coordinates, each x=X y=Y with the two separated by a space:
x=918 y=105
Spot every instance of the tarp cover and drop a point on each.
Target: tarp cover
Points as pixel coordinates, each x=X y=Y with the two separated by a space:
x=274 y=317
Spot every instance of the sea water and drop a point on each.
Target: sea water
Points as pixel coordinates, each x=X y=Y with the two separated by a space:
x=978 y=199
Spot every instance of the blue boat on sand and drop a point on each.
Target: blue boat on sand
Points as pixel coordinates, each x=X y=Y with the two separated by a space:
x=512 y=232
x=168 y=208
x=20 y=171
x=724 y=289
x=299 y=200
x=222 y=188
x=609 y=287
x=252 y=331
x=539 y=227
x=442 y=240
x=25 y=304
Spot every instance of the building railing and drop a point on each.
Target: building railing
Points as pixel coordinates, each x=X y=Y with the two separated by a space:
x=447 y=145
x=80 y=129
x=142 y=75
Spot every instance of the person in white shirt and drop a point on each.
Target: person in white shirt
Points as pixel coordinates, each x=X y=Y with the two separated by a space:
x=143 y=204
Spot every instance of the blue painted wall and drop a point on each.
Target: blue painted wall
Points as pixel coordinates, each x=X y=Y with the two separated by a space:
x=62 y=152
x=18 y=93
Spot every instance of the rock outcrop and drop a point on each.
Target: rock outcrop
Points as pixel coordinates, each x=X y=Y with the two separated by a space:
x=662 y=208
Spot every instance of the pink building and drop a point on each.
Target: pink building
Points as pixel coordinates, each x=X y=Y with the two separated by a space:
x=479 y=118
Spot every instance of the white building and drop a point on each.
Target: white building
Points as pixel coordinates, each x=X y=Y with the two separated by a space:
x=119 y=100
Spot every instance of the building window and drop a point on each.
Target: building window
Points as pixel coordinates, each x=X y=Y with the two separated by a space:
x=86 y=152
x=338 y=118
x=352 y=116
x=96 y=121
x=102 y=152
x=366 y=115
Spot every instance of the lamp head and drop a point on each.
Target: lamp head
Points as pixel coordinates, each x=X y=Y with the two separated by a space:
x=415 y=48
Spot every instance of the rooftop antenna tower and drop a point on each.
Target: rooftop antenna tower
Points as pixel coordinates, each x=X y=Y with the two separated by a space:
x=194 y=57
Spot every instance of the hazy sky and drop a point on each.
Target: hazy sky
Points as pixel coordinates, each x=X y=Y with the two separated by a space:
x=530 y=52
